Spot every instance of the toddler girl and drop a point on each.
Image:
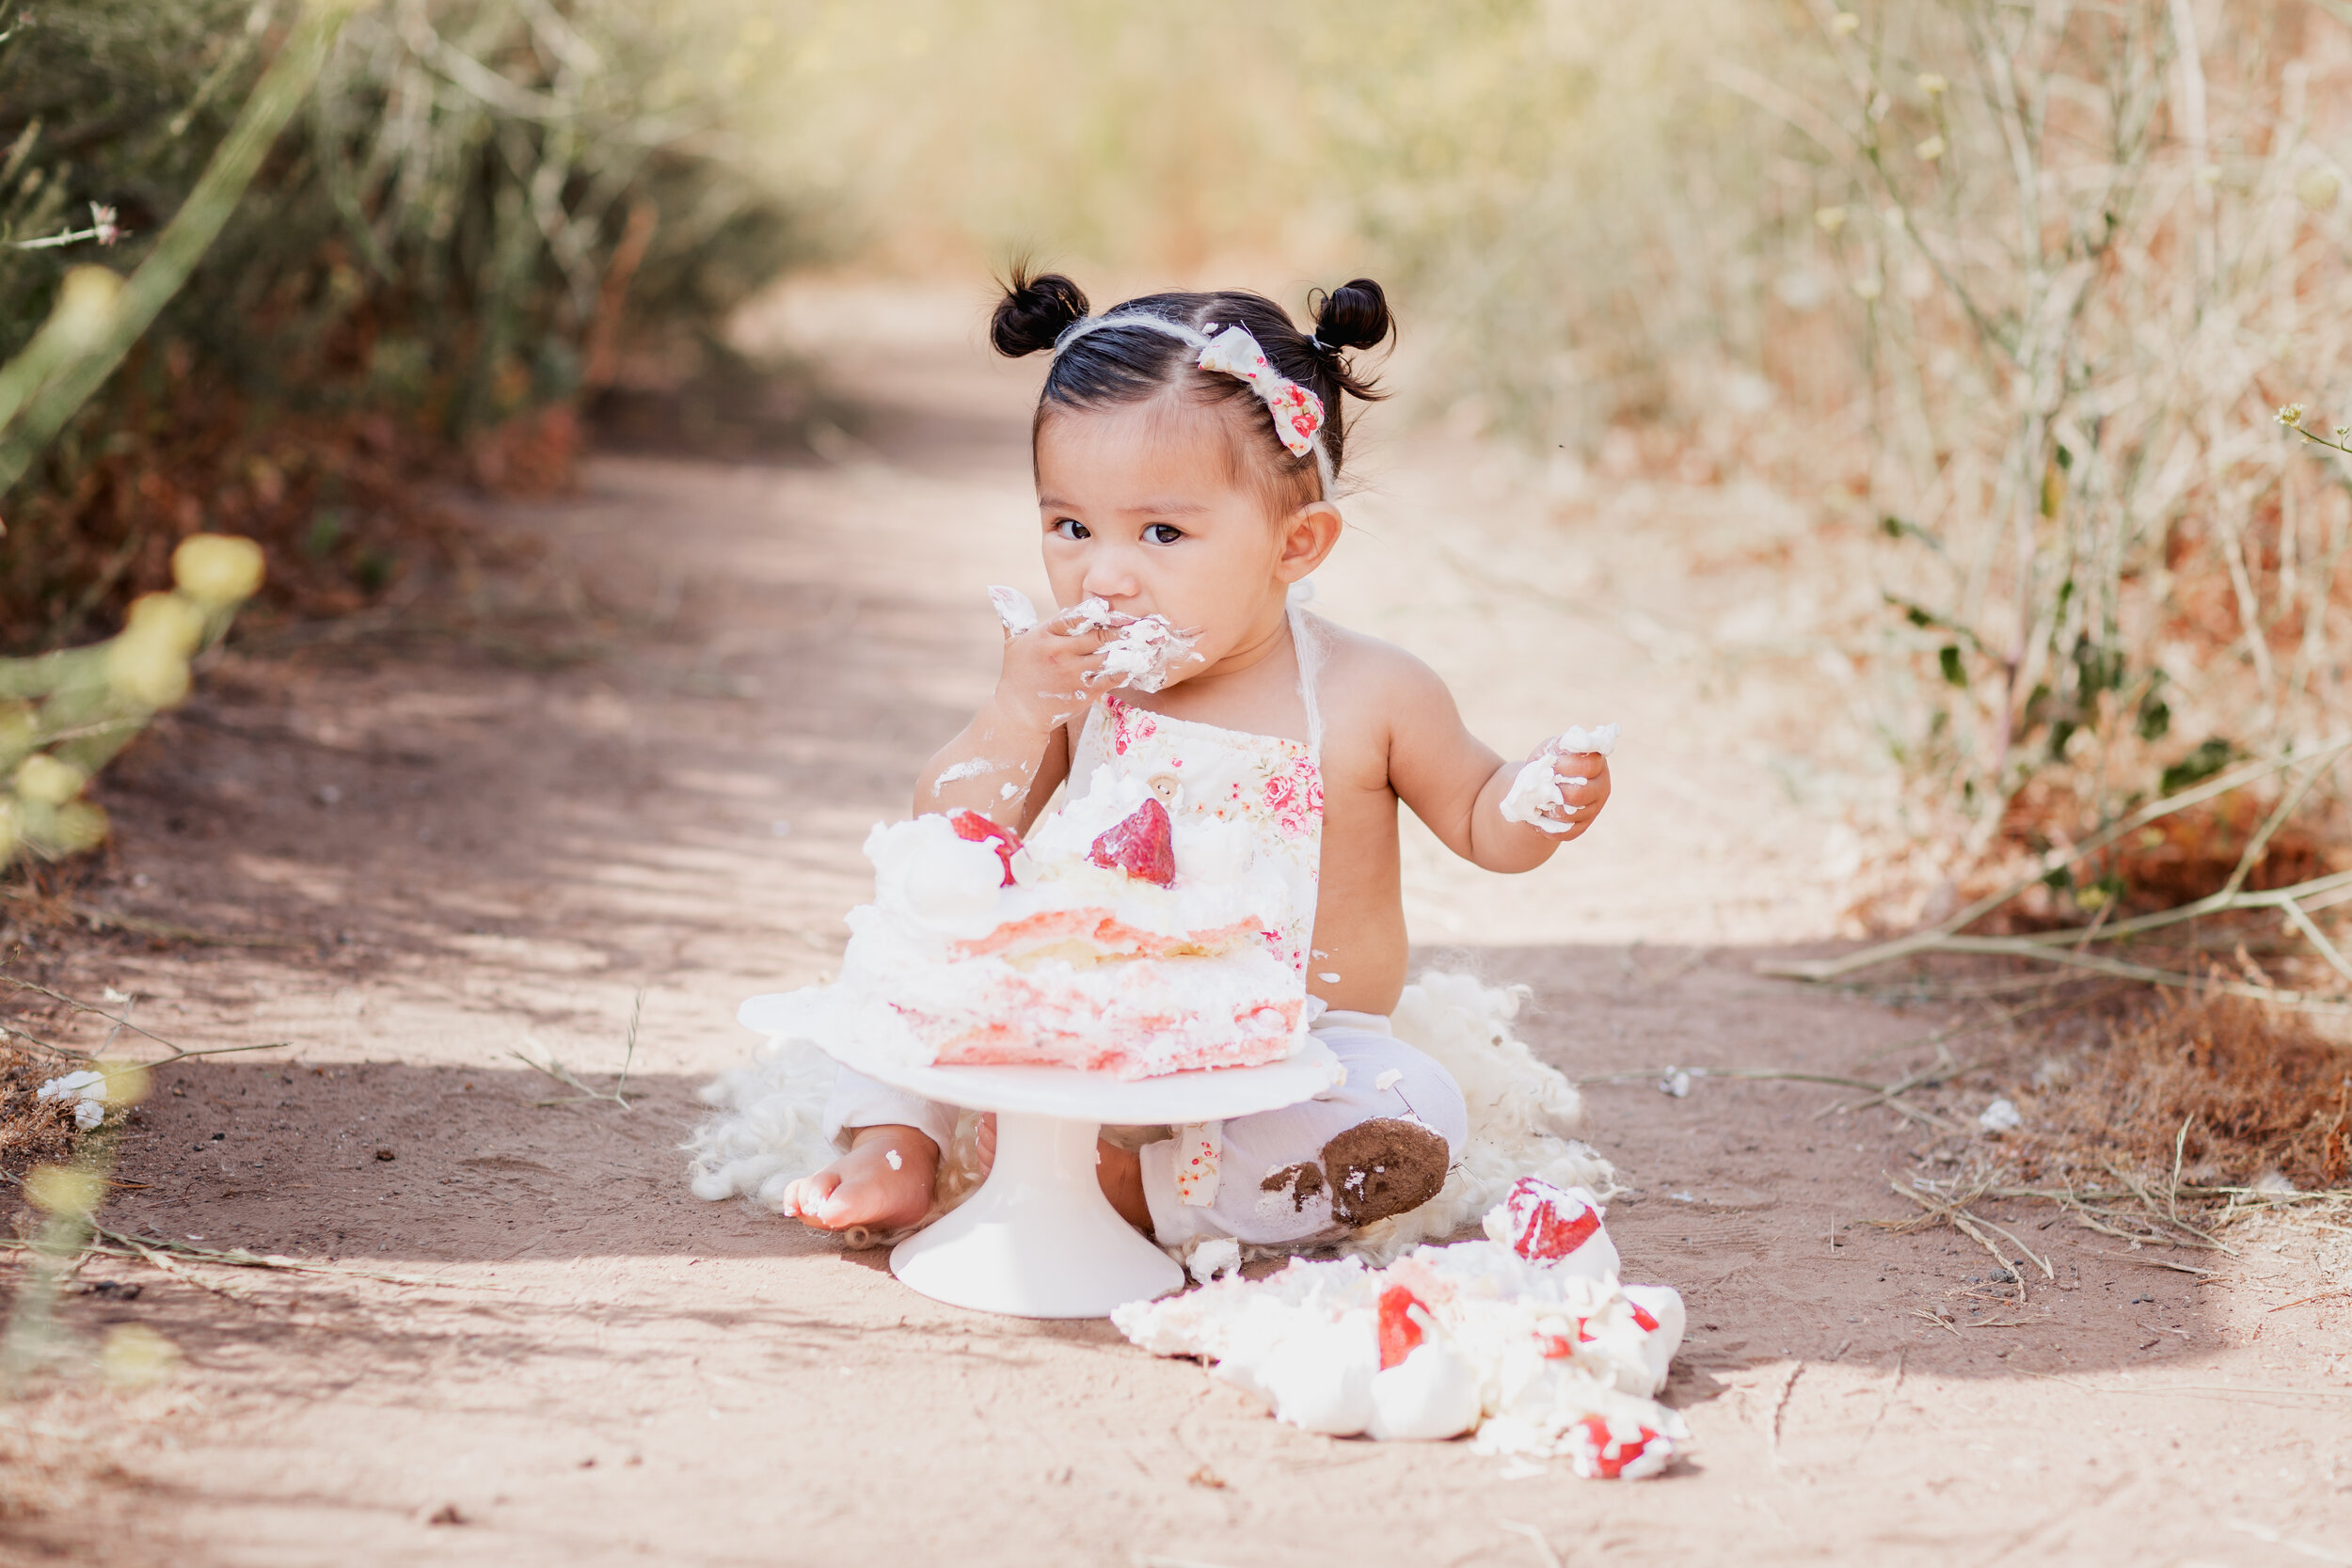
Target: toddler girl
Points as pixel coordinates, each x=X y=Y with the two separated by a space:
x=1186 y=448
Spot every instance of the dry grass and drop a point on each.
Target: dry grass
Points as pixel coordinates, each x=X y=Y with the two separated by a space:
x=32 y=1132
x=2233 y=1089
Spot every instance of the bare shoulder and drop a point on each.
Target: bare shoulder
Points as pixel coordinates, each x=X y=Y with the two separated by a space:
x=1370 y=679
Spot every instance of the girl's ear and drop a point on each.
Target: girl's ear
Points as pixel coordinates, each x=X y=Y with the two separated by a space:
x=1308 y=536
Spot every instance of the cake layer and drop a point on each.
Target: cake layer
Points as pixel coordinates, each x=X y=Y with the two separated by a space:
x=1124 y=937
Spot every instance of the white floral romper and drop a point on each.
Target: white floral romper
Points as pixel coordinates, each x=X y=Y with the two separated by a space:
x=1358 y=1153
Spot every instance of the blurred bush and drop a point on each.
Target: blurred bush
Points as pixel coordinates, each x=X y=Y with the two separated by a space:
x=480 y=204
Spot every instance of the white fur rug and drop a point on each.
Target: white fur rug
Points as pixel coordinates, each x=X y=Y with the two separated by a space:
x=768 y=1129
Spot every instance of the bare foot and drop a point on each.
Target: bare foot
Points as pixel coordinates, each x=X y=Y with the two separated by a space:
x=883 y=1183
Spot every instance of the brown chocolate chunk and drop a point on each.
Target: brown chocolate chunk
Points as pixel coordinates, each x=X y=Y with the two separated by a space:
x=1304 y=1182
x=1383 y=1166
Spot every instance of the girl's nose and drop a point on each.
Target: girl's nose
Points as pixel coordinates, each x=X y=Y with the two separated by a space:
x=1109 y=577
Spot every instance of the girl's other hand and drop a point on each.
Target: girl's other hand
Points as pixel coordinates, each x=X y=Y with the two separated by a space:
x=1579 y=801
x=1047 y=677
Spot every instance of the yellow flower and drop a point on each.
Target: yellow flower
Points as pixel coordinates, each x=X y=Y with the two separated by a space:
x=1930 y=149
x=17 y=728
x=43 y=779
x=1830 y=218
x=127 y=1082
x=216 y=569
x=61 y=1191
x=78 y=826
x=88 y=301
x=149 y=662
x=168 y=619
x=2291 y=416
x=1932 y=85
x=1845 y=24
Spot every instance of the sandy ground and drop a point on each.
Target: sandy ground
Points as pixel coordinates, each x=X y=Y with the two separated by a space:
x=464 y=855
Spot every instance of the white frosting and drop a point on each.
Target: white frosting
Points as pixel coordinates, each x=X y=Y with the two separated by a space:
x=1432 y=1393
x=1073 y=963
x=1014 y=609
x=1148 y=651
x=1539 y=1360
x=1146 y=654
x=1213 y=1258
x=932 y=879
x=1535 y=796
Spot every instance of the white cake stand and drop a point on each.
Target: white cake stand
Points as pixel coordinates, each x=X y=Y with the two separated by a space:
x=1038 y=1240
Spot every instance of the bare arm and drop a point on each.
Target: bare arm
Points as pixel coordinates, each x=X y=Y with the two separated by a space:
x=1455 y=783
x=1009 y=759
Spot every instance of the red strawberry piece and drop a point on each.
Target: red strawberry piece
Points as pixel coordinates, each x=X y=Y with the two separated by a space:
x=1142 y=845
x=1606 y=1456
x=974 y=827
x=1642 y=1320
x=1547 y=1222
x=1399 y=1333
x=1557 y=1346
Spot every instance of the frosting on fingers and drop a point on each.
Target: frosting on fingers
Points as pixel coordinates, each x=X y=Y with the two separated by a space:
x=1536 y=795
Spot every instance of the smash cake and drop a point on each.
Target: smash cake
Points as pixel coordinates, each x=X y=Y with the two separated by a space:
x=1114 y=939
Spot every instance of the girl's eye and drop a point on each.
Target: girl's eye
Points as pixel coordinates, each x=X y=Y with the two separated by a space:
x=1163 y=533
x=1069 y=528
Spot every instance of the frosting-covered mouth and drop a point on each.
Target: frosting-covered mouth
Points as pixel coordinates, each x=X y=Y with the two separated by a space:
x=1149 y=652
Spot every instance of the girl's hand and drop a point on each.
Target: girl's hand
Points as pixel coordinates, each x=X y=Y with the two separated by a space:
x=1580 y=802
x=1051 y=674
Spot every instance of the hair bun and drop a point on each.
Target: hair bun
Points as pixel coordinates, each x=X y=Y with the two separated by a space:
x=1035 y=312
x=1354 y=315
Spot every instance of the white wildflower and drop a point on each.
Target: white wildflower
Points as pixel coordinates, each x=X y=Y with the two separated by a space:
x=1999 y=1117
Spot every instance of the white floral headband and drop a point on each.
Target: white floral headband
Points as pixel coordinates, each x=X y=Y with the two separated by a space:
x=1298 y=412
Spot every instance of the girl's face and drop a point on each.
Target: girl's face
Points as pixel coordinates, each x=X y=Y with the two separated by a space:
x=1145 y=506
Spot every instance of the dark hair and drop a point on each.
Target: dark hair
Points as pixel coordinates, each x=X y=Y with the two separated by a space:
x=1109 y=366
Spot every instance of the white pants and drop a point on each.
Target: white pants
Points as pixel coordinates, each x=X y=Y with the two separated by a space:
x=1278 y=1172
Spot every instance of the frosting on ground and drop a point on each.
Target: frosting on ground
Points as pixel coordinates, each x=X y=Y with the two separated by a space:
x=1532 y=1345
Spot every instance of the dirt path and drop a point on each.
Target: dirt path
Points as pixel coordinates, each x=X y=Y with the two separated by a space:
x=469 y=857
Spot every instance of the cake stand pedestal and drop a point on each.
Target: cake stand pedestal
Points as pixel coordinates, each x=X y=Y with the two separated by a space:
x=1038 y=1240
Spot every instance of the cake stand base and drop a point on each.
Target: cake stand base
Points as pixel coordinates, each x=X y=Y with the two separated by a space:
x=1038 y=1240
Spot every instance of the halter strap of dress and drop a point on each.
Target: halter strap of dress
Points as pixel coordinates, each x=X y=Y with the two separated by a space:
x=1306 y=647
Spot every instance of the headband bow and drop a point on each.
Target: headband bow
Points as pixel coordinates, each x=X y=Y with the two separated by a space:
x=1298 y=412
